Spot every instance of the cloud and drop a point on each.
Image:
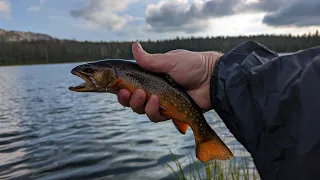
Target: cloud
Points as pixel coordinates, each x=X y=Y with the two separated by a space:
x=63 y=18
x=5 y=9
x=196 y=16
x=43 y=1
x=179 y=15
x=298 y=13
x=264 y=5
x=36 y=8
x=104 y=14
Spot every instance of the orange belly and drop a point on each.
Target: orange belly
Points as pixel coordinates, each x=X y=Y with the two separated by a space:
x=169 y=111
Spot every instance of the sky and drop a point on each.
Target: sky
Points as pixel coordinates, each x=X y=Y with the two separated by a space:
x=123 y=20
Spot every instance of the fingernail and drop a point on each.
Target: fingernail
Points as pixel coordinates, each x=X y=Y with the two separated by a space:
x=138 y=47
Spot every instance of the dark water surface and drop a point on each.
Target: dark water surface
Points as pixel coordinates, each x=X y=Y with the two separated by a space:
x=48 y=132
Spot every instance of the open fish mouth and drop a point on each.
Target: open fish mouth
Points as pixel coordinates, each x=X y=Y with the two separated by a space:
x=90 y=83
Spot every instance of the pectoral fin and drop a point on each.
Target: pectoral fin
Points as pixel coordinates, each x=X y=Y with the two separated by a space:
x=182 y=127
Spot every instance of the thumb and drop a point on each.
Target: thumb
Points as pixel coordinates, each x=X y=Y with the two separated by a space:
x=161 y=63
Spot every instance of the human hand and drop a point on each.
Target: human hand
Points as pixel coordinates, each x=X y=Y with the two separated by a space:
x=192 y=70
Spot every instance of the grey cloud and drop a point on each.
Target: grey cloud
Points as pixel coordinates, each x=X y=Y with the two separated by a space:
x=219 y=8
x=299 y=13
x=265 y=5
x=182 y=16
x=104 y=14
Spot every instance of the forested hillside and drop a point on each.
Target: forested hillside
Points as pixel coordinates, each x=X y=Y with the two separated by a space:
x=62 y=51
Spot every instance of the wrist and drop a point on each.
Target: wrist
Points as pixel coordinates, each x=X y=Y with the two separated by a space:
x=212 y=59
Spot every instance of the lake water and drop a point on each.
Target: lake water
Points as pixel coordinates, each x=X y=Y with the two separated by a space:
x=48 y=132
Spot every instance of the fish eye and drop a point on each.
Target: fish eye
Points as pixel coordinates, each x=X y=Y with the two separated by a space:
x=88 y=70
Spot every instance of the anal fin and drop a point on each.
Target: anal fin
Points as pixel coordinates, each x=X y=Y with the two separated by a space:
x=182 y=127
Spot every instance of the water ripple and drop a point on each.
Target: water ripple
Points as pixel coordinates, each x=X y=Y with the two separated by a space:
x=48 y=132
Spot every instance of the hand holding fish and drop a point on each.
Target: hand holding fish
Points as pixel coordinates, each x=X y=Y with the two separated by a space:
x=180 y=97
x=192 y=70
x=176 y=85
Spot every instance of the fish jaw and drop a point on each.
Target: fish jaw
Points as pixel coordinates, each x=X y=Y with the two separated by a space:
x=90 y=84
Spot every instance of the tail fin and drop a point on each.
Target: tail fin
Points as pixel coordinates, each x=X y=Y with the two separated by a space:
x=212 y=147
x=182 y=127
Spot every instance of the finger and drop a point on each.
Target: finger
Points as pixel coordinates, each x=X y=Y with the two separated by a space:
x=124 y=97
x=152 y=110
x=153 y=62
x=137 y=101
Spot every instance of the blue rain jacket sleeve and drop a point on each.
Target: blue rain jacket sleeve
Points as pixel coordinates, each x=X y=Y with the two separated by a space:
x=271 y=104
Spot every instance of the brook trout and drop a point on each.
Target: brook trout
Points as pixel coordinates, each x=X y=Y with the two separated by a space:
x=112 y=75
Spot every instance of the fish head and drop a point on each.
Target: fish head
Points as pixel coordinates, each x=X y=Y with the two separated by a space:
x=97 y=76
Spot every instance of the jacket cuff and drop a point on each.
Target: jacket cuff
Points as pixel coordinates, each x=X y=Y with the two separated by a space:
x=216 y=86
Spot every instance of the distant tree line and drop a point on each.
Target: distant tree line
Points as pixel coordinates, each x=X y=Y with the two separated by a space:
x=62 y=51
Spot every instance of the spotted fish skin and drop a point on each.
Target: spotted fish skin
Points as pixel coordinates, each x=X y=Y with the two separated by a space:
x=174 y=100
